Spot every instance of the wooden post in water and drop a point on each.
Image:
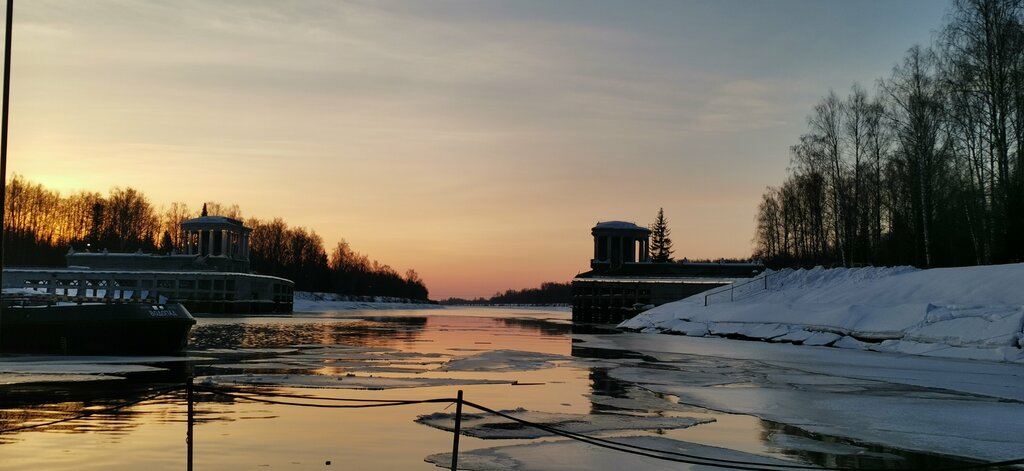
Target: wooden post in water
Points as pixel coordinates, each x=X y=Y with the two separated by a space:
x=458 y=431
x=189 y=392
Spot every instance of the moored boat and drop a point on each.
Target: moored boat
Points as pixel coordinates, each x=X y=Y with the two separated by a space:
x=95 y=329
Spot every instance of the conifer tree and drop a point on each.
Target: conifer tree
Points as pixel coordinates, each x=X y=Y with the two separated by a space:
x=661 y=244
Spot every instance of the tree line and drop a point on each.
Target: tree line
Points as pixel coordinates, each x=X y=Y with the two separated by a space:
x=40 y=225
x=926 y=170
x=548 y=293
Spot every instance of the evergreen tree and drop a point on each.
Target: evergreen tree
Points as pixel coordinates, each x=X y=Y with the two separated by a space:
x=166 y=243
x=661 y=244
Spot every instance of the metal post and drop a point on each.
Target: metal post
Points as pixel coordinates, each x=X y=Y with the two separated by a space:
x=458 y=431
x=3 y=140
x=189 y=392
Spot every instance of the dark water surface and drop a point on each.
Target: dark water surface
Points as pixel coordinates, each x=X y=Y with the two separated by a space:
x=232 y=433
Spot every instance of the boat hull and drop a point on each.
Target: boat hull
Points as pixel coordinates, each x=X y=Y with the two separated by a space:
x=96 y=329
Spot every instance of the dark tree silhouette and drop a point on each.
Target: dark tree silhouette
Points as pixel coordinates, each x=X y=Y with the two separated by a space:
x=929 y=172
x=41 y=224
x=661 y=244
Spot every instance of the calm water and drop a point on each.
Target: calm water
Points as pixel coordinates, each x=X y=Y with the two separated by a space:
x=238 y=434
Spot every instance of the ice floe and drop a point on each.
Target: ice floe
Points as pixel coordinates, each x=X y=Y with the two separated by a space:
x=492 y=426
x=571 y=455
x=505 y=360
x=926 y=404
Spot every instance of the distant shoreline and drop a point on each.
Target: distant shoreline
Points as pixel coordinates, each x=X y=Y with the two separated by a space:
x=325 y=302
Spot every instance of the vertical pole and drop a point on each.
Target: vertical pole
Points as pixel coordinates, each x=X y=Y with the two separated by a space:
x=189 y=391
x=3 y=141
x=458 y=431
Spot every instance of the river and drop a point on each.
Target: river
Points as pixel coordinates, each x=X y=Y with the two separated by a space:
x=522 y=360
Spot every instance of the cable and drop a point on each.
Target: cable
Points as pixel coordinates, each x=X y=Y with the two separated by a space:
x=595 y=441
x=83 y=415
x=600 y=442
x=332 y=406
x=711 y=461
x=644 y=451
x=215 y=389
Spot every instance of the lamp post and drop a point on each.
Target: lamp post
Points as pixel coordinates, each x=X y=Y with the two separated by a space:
x=3 y=147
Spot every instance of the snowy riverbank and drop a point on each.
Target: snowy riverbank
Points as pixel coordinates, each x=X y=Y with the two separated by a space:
x=326 y=302
x=971 y=312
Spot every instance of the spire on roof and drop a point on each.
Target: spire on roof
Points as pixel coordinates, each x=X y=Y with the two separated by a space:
x=204 y=211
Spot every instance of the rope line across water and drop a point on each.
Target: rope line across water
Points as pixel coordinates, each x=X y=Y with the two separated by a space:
x=332 y=403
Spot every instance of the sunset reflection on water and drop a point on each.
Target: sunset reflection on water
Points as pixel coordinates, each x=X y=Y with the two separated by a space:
x=232 y=434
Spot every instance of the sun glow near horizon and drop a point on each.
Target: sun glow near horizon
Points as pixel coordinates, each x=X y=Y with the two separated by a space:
x=477 y=143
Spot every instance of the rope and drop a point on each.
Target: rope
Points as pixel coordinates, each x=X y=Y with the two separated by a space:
x=305 y=396
x=720 y=462
x=379 y=403
x=332 y=403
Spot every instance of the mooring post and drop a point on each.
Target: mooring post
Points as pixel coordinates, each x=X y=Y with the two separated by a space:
x=458 y=431
x=189 y=393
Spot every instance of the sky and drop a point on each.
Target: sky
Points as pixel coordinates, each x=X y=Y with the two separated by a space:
x=475 y=141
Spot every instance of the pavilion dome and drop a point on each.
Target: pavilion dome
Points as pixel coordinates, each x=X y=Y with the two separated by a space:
x=619 y=225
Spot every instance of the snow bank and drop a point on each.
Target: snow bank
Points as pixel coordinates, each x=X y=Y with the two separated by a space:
x=328 y=302
x=972 y=312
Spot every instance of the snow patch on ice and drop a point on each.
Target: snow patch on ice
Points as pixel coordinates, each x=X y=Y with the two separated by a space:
x=491 y=426
x=505 y=360
x=19 y=378
x=576 y=456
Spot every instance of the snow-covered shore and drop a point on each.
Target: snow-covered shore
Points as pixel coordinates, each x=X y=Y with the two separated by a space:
x=971 y=312
x=327 y=302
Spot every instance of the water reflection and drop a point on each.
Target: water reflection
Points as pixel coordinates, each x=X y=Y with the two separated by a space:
x=405 y=345
x=370 y=332
x=22 y=410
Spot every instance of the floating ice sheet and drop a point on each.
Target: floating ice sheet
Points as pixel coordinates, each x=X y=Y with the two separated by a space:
x=56 y=368
x=491 y=426
x=18 y=378
x=505 y=360
x=571 y=455
x=639 y=400
x=793 y=442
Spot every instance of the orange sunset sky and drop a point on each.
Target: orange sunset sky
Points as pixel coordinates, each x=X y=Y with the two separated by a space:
x=475 y=141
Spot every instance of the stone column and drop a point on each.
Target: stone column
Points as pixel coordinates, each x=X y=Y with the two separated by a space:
x=209 y=252
x=224 y=242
